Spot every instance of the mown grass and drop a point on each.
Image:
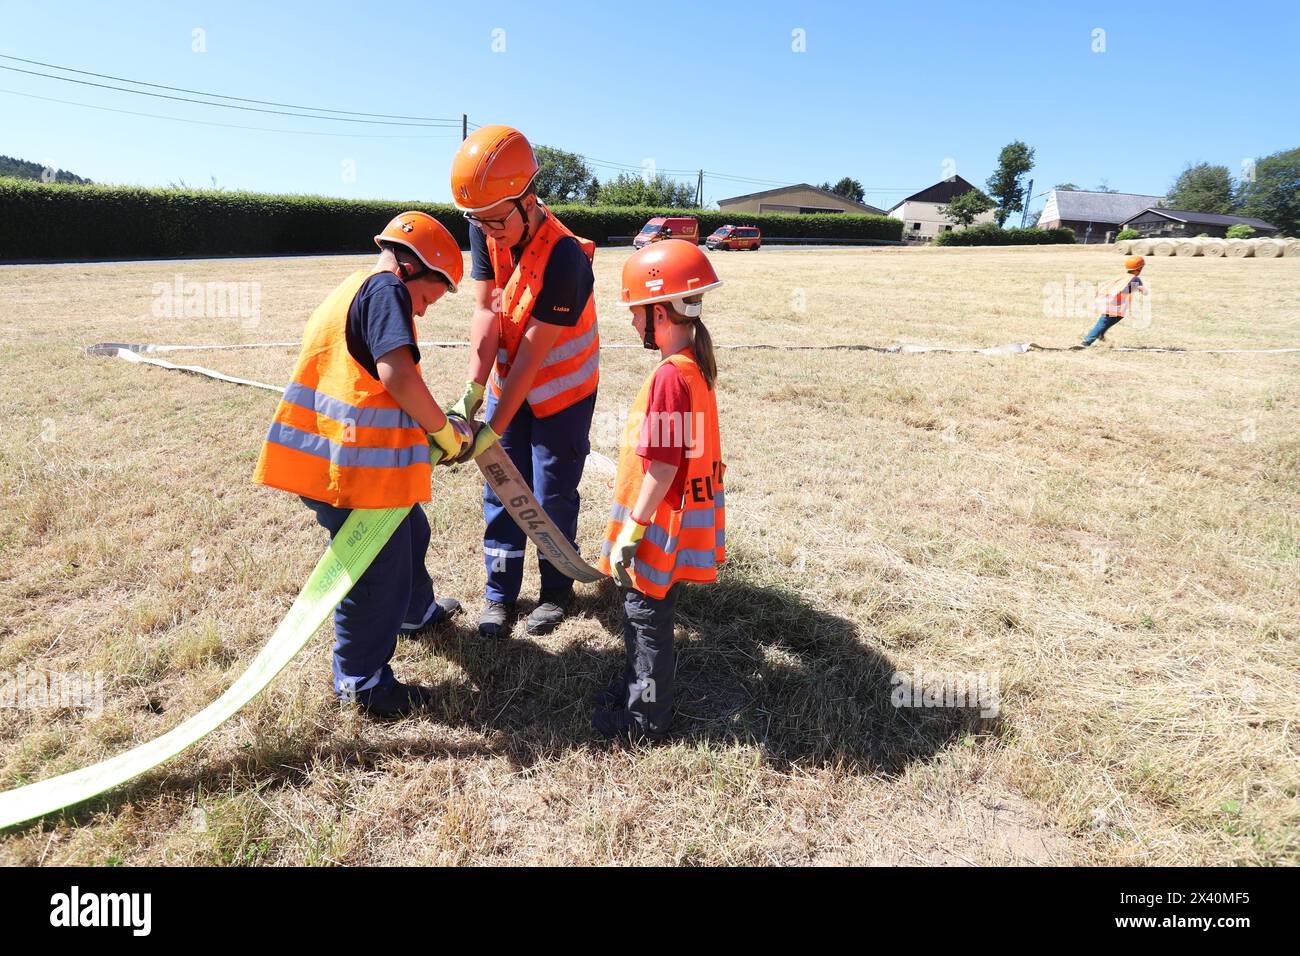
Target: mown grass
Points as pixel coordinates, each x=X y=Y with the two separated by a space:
x=1114 y=535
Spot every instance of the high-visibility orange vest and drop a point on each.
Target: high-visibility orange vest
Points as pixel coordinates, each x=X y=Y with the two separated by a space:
x=686 y=543
x=337 y=435
x=571 y=371
x=1117 y=296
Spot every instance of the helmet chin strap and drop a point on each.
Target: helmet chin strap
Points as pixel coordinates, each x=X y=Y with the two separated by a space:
x=523 y=240
x=648 y=337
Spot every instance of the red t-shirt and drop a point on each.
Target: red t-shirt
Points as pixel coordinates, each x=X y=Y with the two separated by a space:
x=668 y=428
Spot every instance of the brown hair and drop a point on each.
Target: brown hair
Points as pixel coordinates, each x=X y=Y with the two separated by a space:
x=703 y=345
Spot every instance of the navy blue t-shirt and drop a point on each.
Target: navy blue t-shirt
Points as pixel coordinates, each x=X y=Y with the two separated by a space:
x=566 y=284
x=379 y=320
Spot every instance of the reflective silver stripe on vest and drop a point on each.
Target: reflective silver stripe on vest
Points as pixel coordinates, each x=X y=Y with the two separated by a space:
x=565 y=382
x=347 y=456
x=304 y=397
x=687 y=558
x=571 y=348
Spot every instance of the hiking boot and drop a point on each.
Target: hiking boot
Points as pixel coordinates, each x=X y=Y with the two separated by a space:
x=620 y=725
x=394 y=700
x=551 y=608
x=495 y=619
x=613 y=697
x=445 y=609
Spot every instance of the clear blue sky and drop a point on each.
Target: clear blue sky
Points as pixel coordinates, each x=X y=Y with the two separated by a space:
x=885 y=92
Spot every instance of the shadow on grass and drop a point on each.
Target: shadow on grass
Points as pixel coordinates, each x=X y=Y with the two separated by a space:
x=758 y=666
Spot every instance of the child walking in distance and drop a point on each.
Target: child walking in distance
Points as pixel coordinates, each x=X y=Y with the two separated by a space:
x=668 y=520
x=357 y=428
x=1116 y=298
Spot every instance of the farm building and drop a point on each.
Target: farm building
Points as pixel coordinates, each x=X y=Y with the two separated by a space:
x=921 y=213
x=800 y=198
x=1175 y=222
x=1094 y=217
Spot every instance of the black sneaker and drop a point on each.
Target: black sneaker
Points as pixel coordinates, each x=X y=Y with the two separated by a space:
x=394 y=701
x=619 y=725
x=550 y=611
x=495 y=619
x=613 y=697
x=446 y=609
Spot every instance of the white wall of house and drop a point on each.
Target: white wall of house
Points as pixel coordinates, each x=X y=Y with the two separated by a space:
x=923 y=220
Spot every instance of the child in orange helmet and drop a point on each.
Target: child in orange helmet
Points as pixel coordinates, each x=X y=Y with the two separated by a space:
x=668 y=520
x=357 y=428
x=1116 y=298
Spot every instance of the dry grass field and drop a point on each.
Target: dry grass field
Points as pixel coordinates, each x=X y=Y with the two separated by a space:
x=1114 y=536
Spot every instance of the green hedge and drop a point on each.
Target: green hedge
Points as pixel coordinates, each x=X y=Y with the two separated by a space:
x=989 y=234
x=56 y=221
x=49 y=221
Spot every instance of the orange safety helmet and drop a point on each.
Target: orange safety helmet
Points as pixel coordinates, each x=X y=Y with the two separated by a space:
x=1134 y=263
x=667 y=271
x=428 y=239
x=493 y=164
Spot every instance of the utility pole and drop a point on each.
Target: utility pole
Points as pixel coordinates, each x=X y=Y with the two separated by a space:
x=464 y=126
x=699 y=191
x=1024 y=212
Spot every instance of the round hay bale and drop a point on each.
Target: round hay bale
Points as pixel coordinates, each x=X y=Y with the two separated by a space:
x=1292 y=248
x=1240 y=249
x=1164 y=247
x=1213 y=248
x=1140 y=247
x=1123 y=246
x=1187 y=247
x=1268 y=248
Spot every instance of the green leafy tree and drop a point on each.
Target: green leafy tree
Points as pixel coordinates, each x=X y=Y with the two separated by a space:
x=1202 y=188
x=25 y=169
x=1004 y=186
x=1104 y=187
x=1066 y=187
x=629 y=190
x=1240 y=231
x=847 y=187
x=1128 y=234
x=1272 y=191
x=562 y=176
x=965 y=209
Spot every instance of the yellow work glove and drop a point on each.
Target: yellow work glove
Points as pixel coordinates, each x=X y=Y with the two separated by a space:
x=624 y=549
x=468 y=404
x=450 y=440
x=483 y=440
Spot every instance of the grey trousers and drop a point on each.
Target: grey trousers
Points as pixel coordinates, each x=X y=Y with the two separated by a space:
x=651 y=661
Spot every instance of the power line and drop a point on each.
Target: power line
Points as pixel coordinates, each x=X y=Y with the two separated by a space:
x=220 y=96
x=263 y=129
x=228 y=106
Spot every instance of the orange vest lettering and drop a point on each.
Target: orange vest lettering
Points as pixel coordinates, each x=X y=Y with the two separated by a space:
x=686 y=544
x=571 y=371
x=337 y=435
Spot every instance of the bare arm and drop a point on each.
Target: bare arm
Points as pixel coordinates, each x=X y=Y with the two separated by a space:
x=484 y=332
x=402 y=379
x=536 y=344
x=654 y=488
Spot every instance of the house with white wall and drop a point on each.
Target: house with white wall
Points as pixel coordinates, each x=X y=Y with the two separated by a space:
x=921 y=215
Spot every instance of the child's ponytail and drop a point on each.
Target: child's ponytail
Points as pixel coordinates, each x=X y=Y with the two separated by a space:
x=703 y=343
x=704 y=354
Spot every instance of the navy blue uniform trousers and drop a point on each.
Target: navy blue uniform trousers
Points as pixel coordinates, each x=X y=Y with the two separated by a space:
x=395 y=594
